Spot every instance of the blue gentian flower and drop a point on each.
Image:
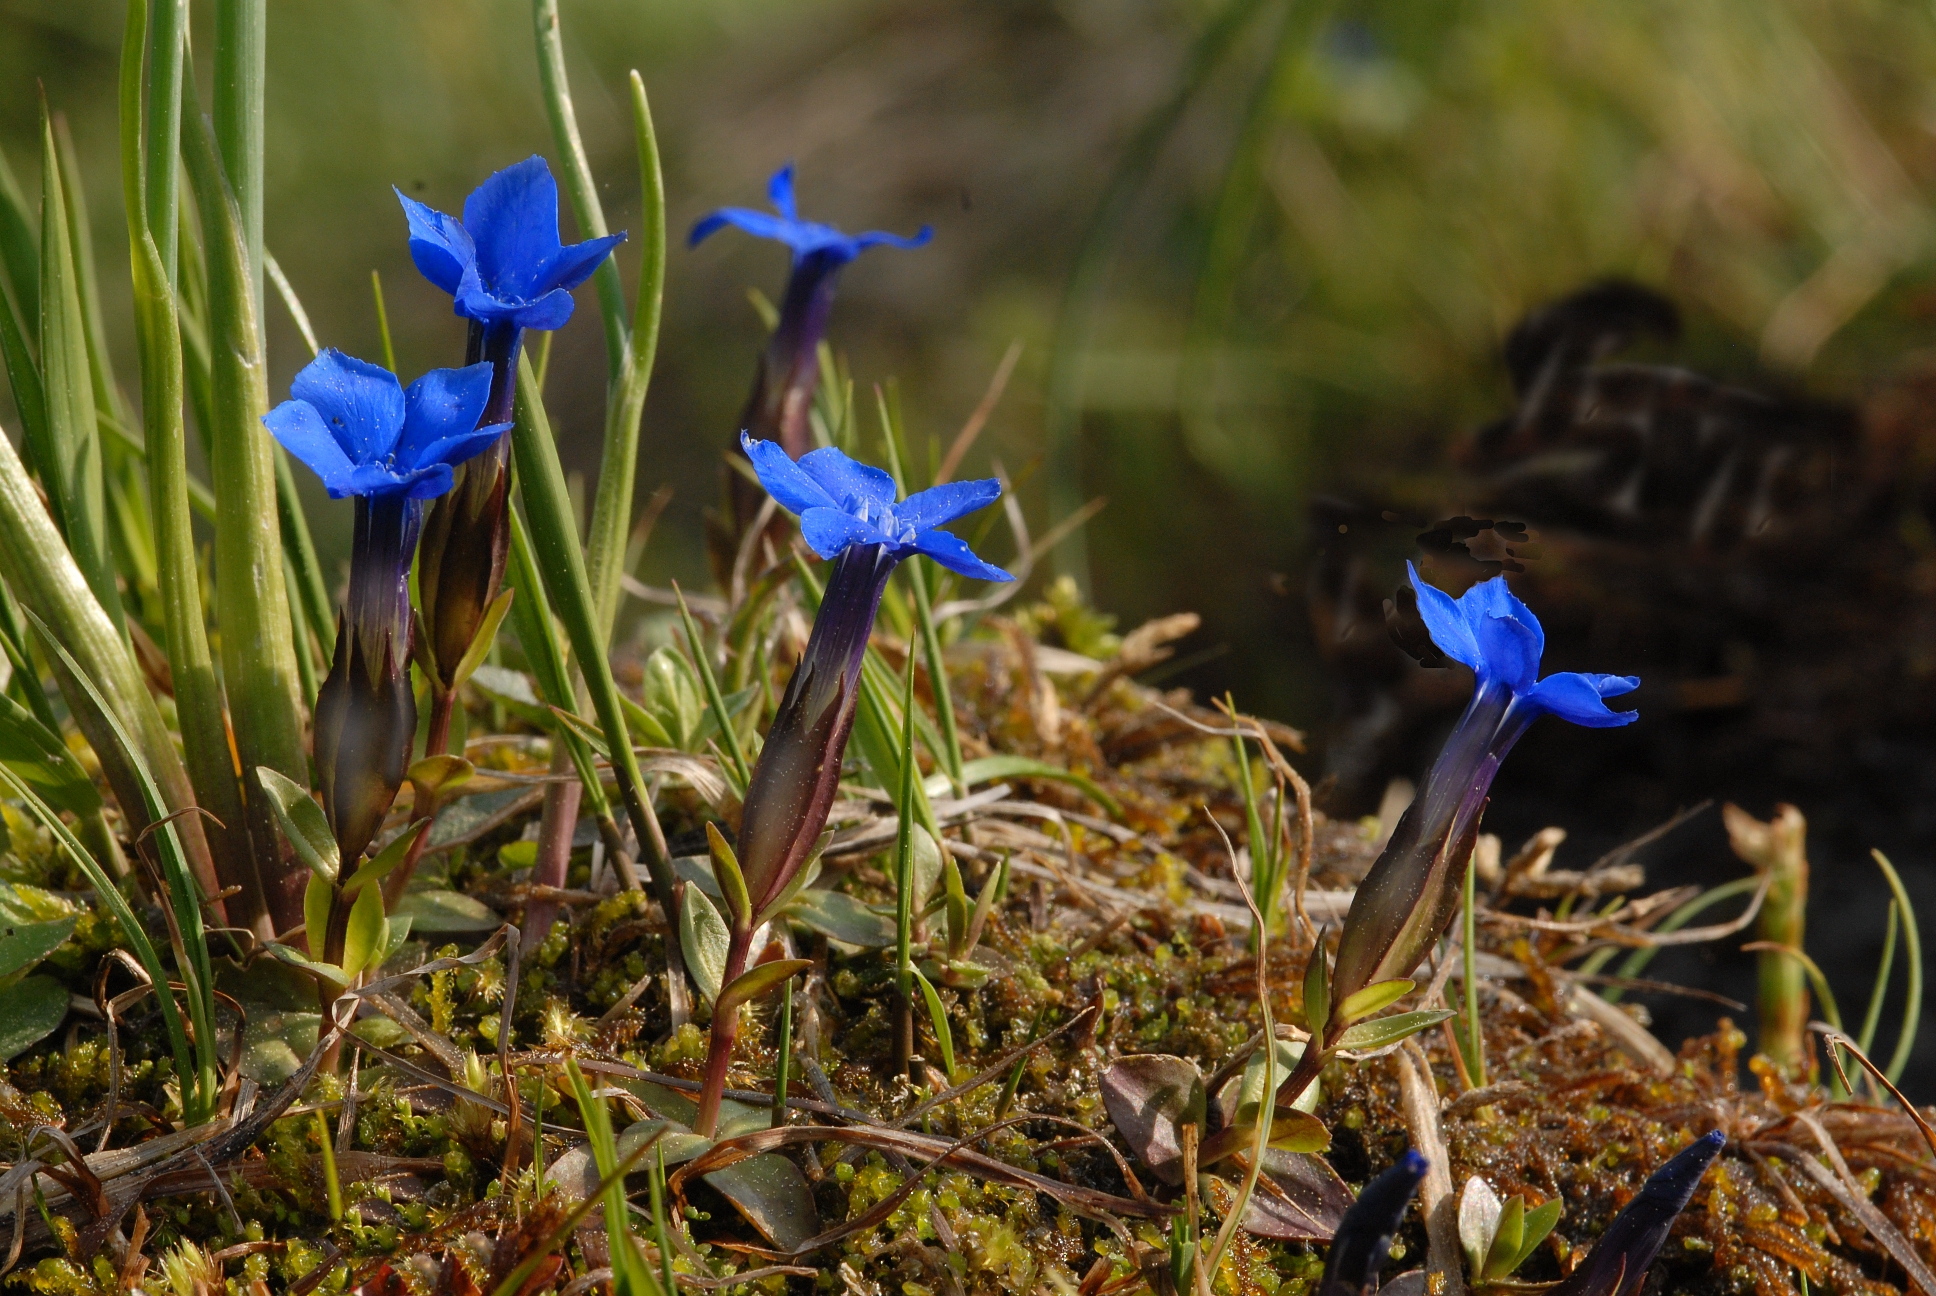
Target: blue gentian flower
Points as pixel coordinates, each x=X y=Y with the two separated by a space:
x=391 y=449
x=1364 y=1236
x=848 y=513
x=778 y=407
x=1409 y=896
x=842 y=503
x=1619 y=1262
x=804 y=238
x=357 y=427
x=503 y=263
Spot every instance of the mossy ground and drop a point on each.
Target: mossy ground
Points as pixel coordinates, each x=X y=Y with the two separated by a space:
x=427 y=1209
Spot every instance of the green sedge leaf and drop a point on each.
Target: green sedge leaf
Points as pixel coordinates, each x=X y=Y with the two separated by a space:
x=989 y=769
x=486 y=636
x=955 y=898
x=303 y=822
x=757 y=981
x=36 y=754
x=1317 y=989
x=991 y=893
x=1372 y=998
x=731 y=884
x=938 y=1014
x=1381 y=1031
x=703 y=937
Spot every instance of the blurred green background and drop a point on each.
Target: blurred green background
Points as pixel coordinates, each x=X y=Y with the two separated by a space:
x=1255 y=251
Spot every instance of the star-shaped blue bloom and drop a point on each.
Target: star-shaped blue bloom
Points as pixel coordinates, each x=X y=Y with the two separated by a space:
x=503 y=263
x=363 y=434
x=842 y=503
x=1498 y=636
x=805 y=238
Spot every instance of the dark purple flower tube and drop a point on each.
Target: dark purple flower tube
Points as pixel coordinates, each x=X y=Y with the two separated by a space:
x=1412 y=891
x=1363 y=1240
x=848 y=514
x=1626 y=1251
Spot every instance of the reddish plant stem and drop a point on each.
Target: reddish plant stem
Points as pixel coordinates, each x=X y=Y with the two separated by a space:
x=556 y=827
x=725 y=1030
x=436 y=738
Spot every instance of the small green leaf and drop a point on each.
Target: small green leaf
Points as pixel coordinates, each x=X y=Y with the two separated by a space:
x=703 y=937
x=303 y=822
x=1539 y=1222
x=672 y=699
x=378 y=866
x=1378 y=1033
x=840 y=917
x=756 y=981
x=363 y=939
x=1505 y=1239
x=645 y=726
x=435 y=777
x=991 y=893
x=445 y=911
x=1291 y=1131
x=1317 y=989
x=956 y=899
x=315 y=967
x=486 y=635
x=30 y=1011
x=939 y=1016
x=24 y=944
x=318 y=897
x=732 y=886
x=927 y=865
x=1479 y=1210
x=1373 y=997
x=773 y=1195
x=37 y=755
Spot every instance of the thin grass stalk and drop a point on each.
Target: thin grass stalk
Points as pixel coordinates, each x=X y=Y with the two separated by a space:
x=1636 y=962
x=87 y=280
x=1474 y=1043
x=198 y=691
x=252 y=604
x=160 y=143
x=561 y=564
x=783 y=1068
x=26 y=682
x=311 y=600
x=728 y=736
x=1880 y=990
x=19 y=243
x=904 y=890
x=1912 y=1008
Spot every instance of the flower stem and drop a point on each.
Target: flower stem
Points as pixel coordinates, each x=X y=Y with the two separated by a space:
x=725 y=1030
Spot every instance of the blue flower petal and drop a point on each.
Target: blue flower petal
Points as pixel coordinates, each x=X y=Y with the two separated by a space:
x=758 y=224
x=513 y=218
x=952 y=552
x=784 y=479
x=1509 y=651
x=779 y=192
x=302 y=432
x=571 y=266
x=1493 y=598
x=454 y=450
x=845 y=479
x=1446 y=622
x=441 y=405
x=361 y=403
x=828 y=531
x=938 y=505
x=438 y=244
x=1578 y=697
x=880 y=238
x=429 y=482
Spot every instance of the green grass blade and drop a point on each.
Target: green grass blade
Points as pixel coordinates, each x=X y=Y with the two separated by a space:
x=198 y=693
x=15 y=642
x=19 y=243
x=80 y=237
x=160 y=144
x=938 y=1017
x=1636 y=962
x=191 y=954
x=1474 y=1039
x=561 y=564
x=251 y=602
x=904 y=860
x=1880 y=990
x=546 y=658
x=1912 y=1008
x=311 y=589
x=612 y=507
x=728 y=731
x=580 y=188
x=69 y=459
x=241 y=48
x=23 y=374
x=944 y=703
